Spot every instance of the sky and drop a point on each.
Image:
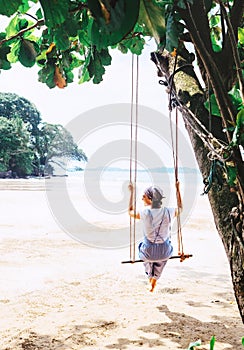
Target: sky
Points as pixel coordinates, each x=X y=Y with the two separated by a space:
x=61 y=106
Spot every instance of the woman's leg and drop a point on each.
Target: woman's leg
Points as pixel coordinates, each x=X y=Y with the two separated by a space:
x=148 y=269
x=157 y=269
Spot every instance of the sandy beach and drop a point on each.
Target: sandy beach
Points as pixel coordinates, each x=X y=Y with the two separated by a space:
x=59 y=294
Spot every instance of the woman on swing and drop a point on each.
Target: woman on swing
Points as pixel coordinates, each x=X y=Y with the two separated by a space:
x=156 y=248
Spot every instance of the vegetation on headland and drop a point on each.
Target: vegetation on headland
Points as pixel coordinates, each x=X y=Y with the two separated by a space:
x=60 y=36
x=29 y=146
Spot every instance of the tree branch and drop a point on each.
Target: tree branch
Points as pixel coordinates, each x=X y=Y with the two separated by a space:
x=233 y=44
x=211 y=69
x=236 y=14
x=21 y=32
x=225 y=60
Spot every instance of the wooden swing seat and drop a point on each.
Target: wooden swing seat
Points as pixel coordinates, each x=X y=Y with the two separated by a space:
x=182 y=257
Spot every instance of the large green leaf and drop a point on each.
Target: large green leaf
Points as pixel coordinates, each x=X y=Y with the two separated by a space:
x=55 y=12
x=153 y=17
x=8 y=8
x=174 y=29
x=27 y=53
x=113 y=21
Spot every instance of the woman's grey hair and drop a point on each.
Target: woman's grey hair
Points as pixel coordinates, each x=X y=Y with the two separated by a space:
x=155 y=194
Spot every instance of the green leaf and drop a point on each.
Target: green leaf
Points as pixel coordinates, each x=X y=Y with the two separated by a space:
x=72 y=26
x=24 y=6
x=95 y=68
x=12 y=27
x=216 y=46
x=84 y=32
x=55 y=12
x=13 y=56
x=2 y=36
x=46 y=75
x=27 y=53
x=39 y=14
x=173 y=30
x=85 y=76
x=153 y=17
x=105 y=57
x=242 y=341
x=241 y=35
x=216 y=33
x=69 y=76
x=231 y=179
x=236 y=99
x=94 y=65
x=122 y=47
x=214 y=21
x=213 y=107
x=8 y=8
x=109 y=30
x=238 y=135
x=22 y=24
x=4 y=63
x=135 y=44
x=61 y=38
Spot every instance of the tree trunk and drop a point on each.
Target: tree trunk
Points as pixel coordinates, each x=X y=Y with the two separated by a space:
x=225 y=203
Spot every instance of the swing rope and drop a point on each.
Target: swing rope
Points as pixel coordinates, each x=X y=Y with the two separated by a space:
x=134 y=150
x=175 y=153
x=175 y=150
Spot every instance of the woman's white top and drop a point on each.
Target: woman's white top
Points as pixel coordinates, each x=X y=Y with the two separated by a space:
x=156 y=223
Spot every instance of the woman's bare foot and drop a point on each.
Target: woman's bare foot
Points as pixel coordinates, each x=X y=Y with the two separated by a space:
x=153 y=284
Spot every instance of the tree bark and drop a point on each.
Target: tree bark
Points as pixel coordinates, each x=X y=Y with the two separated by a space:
x=225 y=203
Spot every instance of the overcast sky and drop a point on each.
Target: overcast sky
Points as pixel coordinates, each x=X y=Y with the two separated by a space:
x=63 y=105
x=60 y=105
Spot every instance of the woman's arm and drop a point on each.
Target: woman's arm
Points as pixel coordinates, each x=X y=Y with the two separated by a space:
x=131 y=210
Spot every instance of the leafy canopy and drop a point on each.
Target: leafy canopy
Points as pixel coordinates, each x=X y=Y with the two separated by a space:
x=60 y=36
